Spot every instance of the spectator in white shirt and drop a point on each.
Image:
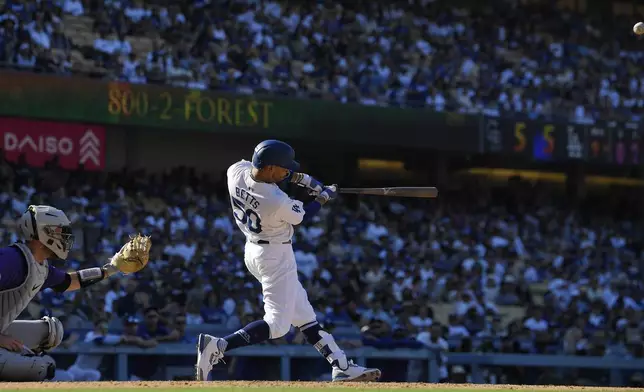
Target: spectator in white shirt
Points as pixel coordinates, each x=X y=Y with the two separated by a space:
x=73 y=7
x=307 y=261
x=596 y=316
x=130 y=64
x=123 y=46
x=155 y=221
x=198 y=221
x=433 y=340
x=112 y=295
x=229 y=306
x=423 y=319
x=314 y=232
x=139 y=77
x=536 y=323
x=40 y=36
x=375 y=231
x=186 y=250
x=136 y=12
x=19 y=202
x=456 y=328
x=376 y=313
x=374 y=275
x=112 y=45
x=223 y=223
x=178 y=224
x=193 y=313
x=401 y=283
x=490 y=289
x=465 y=303
x=105 y=44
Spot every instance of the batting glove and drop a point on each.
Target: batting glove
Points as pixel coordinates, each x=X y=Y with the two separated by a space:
x=304 y=180
x=327 y=194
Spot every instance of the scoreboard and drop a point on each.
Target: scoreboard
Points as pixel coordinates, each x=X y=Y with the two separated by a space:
x=607 y=143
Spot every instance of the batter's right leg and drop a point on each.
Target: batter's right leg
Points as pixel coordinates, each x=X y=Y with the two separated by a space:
x=343 y=368
x=25 y=368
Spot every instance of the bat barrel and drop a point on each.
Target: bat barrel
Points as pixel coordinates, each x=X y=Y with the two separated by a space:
x=420 y=192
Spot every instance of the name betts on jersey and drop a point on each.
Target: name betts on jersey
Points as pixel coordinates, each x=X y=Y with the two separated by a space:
x=262 y=211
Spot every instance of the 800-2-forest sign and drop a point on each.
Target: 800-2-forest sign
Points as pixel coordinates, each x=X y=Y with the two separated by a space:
x=80 y=99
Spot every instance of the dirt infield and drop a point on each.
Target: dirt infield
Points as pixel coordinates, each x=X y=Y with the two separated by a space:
x=232 y=385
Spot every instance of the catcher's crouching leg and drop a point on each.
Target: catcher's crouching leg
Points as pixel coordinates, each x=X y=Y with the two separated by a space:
x=26 y=368
x=39 y=335
x=56 y=332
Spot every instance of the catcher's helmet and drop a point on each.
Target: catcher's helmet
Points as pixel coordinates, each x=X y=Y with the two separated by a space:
x=275 y=153
x=50 y=226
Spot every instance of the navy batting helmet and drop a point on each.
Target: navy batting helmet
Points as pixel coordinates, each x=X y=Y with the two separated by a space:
x=274 y=153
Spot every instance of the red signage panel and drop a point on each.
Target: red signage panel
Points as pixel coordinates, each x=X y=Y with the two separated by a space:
x=40 y=141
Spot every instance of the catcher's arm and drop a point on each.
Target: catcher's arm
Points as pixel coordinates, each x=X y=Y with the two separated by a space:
x=132 y=257
x=87 y=277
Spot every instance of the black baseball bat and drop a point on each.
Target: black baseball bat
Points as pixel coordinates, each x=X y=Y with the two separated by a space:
x=400 y=191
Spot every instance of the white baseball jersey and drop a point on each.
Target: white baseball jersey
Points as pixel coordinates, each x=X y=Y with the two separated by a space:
x=262 y=210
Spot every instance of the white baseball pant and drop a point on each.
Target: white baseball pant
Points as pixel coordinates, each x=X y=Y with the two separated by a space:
x=285 y=300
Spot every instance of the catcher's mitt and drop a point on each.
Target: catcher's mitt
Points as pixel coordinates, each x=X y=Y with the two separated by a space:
x=134 y=255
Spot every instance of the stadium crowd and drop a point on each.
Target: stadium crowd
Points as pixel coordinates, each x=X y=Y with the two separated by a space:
x=511 y=270
x=492 y=57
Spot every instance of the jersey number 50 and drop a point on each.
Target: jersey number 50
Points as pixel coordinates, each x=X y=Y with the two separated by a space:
x=246 y=217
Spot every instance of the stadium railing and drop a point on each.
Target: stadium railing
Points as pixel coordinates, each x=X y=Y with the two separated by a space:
x=476 y=361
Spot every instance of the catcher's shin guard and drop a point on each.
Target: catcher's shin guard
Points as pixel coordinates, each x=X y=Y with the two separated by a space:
x=26 y=368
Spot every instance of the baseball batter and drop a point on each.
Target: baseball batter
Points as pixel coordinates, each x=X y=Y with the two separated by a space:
x=24 y=271
x=266 y=216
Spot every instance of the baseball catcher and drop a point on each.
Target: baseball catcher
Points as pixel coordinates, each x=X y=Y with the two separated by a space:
x=25 y=270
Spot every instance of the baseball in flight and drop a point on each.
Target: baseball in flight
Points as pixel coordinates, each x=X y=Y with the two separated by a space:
x=638 y=28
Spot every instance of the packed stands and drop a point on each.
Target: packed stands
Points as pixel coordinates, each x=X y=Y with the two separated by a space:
x=516 y=269
x=513 y=270
x=493 y=57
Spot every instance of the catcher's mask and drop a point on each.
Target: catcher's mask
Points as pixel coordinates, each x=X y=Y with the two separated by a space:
x=50 y=226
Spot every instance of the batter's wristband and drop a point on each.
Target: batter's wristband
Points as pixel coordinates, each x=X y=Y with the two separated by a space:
x=304 y=180
x=297 y=178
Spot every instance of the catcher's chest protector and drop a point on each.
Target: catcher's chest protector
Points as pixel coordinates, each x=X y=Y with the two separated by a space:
x=14 y=301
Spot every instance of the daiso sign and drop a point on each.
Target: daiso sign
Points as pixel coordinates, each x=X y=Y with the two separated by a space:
x=41 y=144
x=40 y=141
